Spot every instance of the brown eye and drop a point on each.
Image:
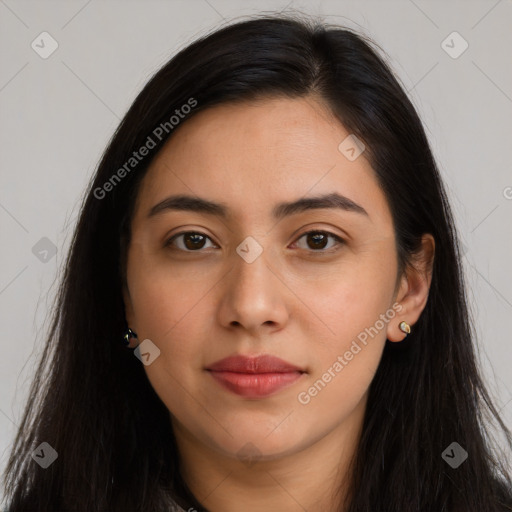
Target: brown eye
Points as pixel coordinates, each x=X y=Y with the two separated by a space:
x=317 y=241
x=192 y=241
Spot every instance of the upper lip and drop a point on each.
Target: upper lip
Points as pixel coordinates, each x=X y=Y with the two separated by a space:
x=255 y=364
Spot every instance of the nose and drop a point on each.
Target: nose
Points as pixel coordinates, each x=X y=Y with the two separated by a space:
x=253 y=297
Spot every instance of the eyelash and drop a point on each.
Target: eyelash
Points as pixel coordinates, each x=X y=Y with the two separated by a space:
x=338 y=239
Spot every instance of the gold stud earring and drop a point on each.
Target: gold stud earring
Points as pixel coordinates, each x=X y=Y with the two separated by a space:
x=405 y=327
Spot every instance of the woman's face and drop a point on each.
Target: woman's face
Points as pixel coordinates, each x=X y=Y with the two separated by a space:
x=203 y=286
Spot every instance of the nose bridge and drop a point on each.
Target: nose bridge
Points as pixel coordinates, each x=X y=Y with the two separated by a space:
x=251 y=273
x=251 y=298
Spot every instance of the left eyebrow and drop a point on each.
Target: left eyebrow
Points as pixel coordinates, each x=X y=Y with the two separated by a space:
x=281 y=210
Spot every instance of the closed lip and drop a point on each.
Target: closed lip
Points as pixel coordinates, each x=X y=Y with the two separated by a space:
x=254 y=365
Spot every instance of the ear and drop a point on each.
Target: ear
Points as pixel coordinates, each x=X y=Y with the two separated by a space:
x=414 y=288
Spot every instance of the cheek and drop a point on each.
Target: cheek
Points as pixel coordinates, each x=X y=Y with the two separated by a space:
x=354 y=309
x=343 y=364
x=174 y=320
x=350 y=297
x=164 y=294
x=170 y=309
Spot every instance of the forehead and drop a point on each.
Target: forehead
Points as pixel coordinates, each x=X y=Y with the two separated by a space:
x=279 y=129
x=253 y=155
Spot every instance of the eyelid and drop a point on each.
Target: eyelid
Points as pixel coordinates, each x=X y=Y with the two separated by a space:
x=339 y=239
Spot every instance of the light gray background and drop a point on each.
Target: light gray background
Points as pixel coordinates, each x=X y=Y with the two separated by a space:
x=57 y=115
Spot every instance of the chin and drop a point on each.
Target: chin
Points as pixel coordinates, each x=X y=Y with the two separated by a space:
x=251 y=443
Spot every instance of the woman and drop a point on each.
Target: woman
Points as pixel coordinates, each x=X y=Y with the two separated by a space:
x=315 y=353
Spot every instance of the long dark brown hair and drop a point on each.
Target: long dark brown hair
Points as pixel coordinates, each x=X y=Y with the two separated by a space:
x=90 y=398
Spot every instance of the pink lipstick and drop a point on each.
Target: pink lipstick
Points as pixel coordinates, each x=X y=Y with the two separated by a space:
x=254 y=377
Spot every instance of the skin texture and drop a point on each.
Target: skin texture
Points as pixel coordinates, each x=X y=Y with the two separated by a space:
x=291 y=301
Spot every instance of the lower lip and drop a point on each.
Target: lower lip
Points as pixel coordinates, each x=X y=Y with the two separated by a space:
x=255 y=385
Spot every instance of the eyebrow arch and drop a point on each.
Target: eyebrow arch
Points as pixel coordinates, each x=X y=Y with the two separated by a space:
x=281 y=210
